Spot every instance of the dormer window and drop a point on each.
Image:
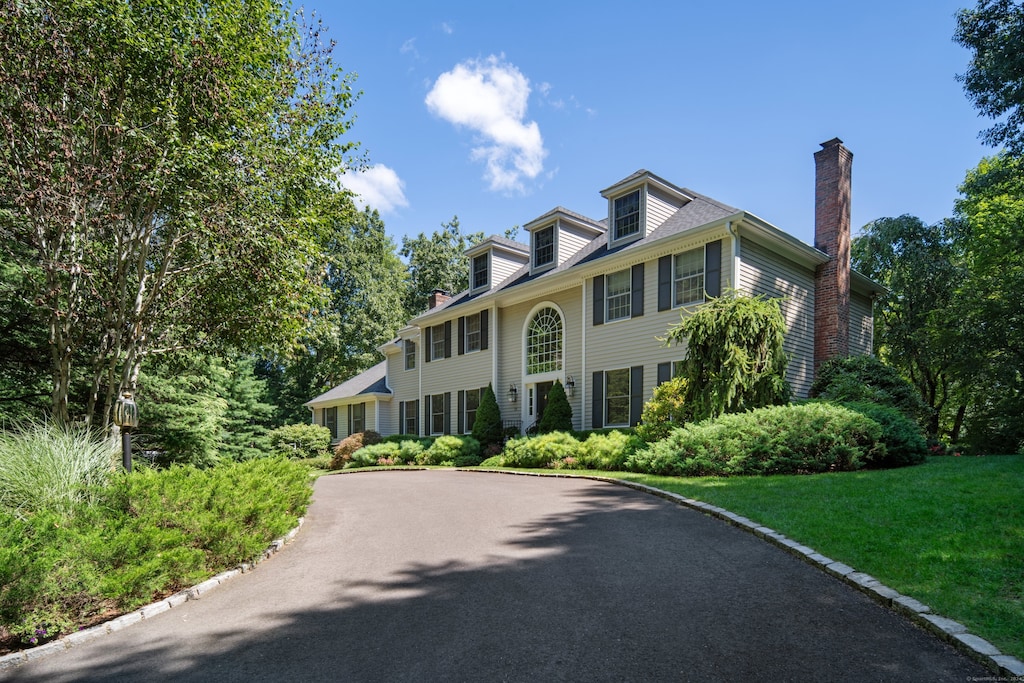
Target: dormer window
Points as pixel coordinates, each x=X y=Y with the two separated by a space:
x=544 y=246
x=627 y=215
x=481 y=273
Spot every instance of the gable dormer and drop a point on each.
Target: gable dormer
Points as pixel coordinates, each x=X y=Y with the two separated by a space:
x=639 y=204
x=493 y=261
x=557 y=236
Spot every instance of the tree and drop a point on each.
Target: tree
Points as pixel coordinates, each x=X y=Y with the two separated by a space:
x=165 y=166
x=665 y=411
x=994 y=81
x=734 y=356
x=487 y=428
x=916 y=329
x=437 y=262
x=557 y=415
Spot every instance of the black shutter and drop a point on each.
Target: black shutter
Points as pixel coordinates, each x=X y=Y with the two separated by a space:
x=401 y=417
x=462 y=335
x=427 y=426
x=664 y=283
x=483 y=329
x=447 y=412
x=636 y=394
x=599 y=300
x=426 y=344
x=350 y=420
x=447 y=338
x=597 y=402
x=713 y=268
x=664 y=372
x=637 y=306
x=462 y=412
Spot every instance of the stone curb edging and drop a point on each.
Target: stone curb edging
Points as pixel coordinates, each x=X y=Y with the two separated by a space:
x=947 y=630
x=15 y=659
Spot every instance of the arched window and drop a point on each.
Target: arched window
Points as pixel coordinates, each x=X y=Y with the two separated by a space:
x=544 y=342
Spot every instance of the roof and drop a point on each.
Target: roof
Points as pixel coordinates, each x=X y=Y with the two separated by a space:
x=368 y=383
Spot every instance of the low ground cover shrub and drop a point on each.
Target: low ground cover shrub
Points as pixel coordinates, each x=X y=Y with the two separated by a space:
x=608 y=451
x=813 y=437
x=300 y=440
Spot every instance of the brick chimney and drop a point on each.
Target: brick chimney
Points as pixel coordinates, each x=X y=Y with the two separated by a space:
x=437 y=297
x=832 y=165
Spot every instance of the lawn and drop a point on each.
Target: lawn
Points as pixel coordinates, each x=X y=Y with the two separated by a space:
x=949 y=533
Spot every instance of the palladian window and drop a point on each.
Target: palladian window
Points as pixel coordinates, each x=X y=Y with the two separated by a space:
x=544 y=342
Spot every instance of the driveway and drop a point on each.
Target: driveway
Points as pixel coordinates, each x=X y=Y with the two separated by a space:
x=465 y=576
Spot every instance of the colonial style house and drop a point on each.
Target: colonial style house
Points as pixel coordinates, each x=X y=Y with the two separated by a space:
x=586 y=301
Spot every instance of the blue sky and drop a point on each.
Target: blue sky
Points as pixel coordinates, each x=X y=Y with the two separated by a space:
x=498 y=113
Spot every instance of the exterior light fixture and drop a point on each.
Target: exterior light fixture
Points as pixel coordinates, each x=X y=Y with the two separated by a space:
x=570 y=384
x=126 y=417
x=513 y=393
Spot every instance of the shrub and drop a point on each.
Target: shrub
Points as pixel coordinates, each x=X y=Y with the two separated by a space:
x=49 y=467
x=608 y=451
x=813 y=437
x=557 y=415
x=866 y=379
x=903 y=438
x=300 y=440
x=540 y=451
x=410 y=449
x=666 y=410
x=487 y=428
x=349 y=445
x=461 y=451
x=384 y=453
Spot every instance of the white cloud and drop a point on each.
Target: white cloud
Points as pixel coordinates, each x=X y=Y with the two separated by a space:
x=378 y=187
x=447 y=28
x=409 y=47
x=489 y=97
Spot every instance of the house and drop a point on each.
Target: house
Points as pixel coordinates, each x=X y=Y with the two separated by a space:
x=586 y=300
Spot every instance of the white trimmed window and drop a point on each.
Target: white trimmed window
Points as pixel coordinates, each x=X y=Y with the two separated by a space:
x=437 y=414
x=626 y=215
x=480 y=271
x=619 y=295
x=358 y=418
x=616 y=398
x=437 y=342
x=410 y=354
x=472 y=404
x=544 y=246
x=688 y=277
x=412 y=417
x=473 y=333
x=544 y=342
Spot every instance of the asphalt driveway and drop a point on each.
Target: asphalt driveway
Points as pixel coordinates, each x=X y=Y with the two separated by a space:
x=464 y=576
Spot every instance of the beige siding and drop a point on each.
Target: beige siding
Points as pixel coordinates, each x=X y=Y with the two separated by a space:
x=658 y=209
x=404 y=384
x=570 y=240
x=503 y=267
x=861 y=324
x=451 y=375
x=764 y=272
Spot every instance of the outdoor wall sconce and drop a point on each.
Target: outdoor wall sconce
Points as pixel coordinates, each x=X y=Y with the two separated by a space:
x=570 y=384
x=513 y=393
x=126 y=417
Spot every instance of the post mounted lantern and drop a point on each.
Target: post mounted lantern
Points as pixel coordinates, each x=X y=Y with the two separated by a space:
x=126 y=417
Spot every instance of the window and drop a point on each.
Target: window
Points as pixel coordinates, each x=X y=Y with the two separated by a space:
x=437 y=342
x=616 y=398
x=688 y=277
x=410 y=355
x=472 y=404
x=412 y=415
x=627 y=215
x=544 y=342
x=544 y=246
x=437 y=414
x=619 y=295
x=358 y=419
x=331 y=420
x=473 y=334
x=480 y=271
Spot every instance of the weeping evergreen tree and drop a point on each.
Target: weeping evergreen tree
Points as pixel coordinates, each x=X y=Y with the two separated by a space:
x=557 y=415
x=734 y=357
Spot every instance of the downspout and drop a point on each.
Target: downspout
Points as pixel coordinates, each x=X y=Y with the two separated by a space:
x=735 y=244
x=582 y=381
x=494 y=348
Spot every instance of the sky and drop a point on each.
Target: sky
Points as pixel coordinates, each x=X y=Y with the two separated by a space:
x=498 y=113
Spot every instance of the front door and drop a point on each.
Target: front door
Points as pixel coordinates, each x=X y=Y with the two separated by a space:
x=543 y=389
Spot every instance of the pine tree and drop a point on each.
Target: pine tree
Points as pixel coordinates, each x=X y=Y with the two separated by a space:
x=487 y=427
x=557 y=415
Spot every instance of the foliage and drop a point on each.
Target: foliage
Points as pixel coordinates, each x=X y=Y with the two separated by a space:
x=303 y=440
x=813 y=437
x=540 y=451
x=437 y=262
x=45 y=466
x=867 y=379
x=557 y=415
x=151 y=532
x=487 y=429
x=24 y=389
x=245 y=429
x=994 y=82
x=461 y=451
x=916 y=326
x=903 y=438
x=168 y=168
x=666 y=409
x=349 y=445
x=383 y=453
x=734 y=355
x=608 y=451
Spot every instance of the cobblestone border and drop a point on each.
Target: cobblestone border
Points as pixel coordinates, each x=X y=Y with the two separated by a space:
x=945 y=629
x=15 y=659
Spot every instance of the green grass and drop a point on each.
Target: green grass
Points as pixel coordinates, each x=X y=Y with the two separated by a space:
x=949 y=533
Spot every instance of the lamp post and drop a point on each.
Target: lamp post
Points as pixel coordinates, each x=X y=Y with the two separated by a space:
x=126 y=417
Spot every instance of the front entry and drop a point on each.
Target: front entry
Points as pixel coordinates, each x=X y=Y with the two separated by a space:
x=542 y=389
